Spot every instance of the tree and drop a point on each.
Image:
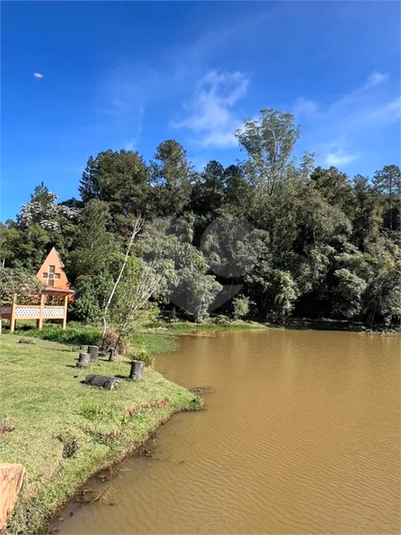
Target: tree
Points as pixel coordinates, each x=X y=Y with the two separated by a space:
x=121 y=180
x=367 y=215
x=165 y=244
x=17 y=280
x=241 y=306
x=136 y=227
x=42 y=209
x=171 y=176
x=274 y=291
x=334 y=186
x=387 y=183
x=130 y=301
x=348 y=293
x=208 y=191
x=95 y=249
x=269 y=143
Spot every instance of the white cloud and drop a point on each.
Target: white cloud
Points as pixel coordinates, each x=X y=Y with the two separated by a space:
x=304 y=106
x=121 y=105
x=336 y=130
x=337 y=153
x=210 y=115
x=132 y=144
x=37 y=75
x=375 y=78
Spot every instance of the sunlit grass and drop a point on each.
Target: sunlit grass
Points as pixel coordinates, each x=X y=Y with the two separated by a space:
x=65 y=431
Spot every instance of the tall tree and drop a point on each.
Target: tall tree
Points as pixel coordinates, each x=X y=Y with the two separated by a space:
x=121 y=180
x=269 y=143
x=387 y=182
x=172 y=175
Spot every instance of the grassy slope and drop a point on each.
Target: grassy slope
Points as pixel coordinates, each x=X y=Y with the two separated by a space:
x=64 y=430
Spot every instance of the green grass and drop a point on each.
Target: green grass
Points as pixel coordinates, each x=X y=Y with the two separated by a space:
x=65 y=431
x=184 y=327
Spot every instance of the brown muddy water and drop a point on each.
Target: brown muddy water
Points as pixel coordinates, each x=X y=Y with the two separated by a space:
x=301 y=435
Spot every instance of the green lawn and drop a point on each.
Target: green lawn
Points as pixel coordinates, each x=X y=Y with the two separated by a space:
x=65 y=431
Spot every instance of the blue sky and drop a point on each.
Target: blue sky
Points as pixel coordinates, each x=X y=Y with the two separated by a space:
x=132 y=74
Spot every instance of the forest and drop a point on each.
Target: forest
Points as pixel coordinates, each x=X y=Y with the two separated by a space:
x=269 y=237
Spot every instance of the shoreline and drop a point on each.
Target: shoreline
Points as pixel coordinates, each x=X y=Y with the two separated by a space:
x=37 y=506
x=73 y=431
x=132 y=449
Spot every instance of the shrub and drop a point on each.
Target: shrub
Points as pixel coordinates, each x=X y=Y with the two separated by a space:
x=77 y=335
x=241 y=307
x=142 y=354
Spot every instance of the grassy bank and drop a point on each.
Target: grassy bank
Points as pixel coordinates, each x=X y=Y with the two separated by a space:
x=64 y=431
x=186 y=327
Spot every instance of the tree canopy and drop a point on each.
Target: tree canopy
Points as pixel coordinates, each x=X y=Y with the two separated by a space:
x=269 y=236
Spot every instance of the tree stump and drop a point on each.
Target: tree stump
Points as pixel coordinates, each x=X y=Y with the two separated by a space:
x=93 y=352
x=105 y=382
x=26 y=341
x=84 y=349
x=84 y=360
x=113 y=355
x=137 y=367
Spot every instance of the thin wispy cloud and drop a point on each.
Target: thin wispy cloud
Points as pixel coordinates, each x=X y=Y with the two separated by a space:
x=210 y=116
x=121 y=105
x=375 y=78
x=337 y=153
x=37 y=75
x=132 y=144
x=336 y=130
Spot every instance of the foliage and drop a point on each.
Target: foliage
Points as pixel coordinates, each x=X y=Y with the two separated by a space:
x=144 y=355
x=241 y=306
x=74 y=334
x=296 y=240
x=171 y=176
x=131 y=304
x=17 y=280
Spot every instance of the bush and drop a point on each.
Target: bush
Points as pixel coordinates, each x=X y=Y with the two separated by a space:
x=241 y=307
x=142 y=354
x=76 y=335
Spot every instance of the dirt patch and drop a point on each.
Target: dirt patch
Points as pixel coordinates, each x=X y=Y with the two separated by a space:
x=5 y=429
x=147 y=405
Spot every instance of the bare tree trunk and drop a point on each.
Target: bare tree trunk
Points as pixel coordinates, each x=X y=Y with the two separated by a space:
x=135 y=229
x=113 y=355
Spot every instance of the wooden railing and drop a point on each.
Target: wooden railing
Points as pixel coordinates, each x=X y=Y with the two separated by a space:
x=14 y=312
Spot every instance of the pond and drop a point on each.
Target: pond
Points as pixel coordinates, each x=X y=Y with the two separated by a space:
x=301 y=435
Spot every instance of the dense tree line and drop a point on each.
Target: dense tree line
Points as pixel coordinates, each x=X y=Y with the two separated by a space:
x=269 y=236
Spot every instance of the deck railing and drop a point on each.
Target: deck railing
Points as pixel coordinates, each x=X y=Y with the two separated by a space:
x=14 y=312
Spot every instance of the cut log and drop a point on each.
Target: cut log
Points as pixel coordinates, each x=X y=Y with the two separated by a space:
x=11 y=476
x=101 y=380
x=84 y=349
x=137 y=367
x=113 y=355
x=84 y=360
x=93 y=352
x=26 y=341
